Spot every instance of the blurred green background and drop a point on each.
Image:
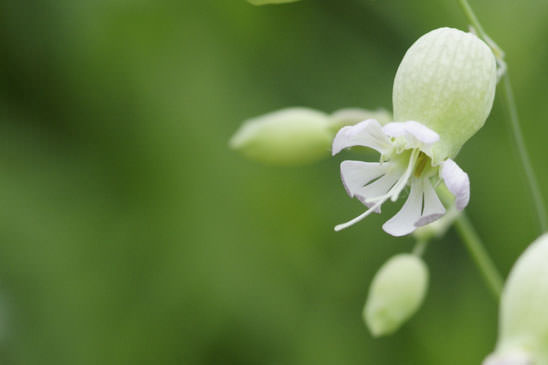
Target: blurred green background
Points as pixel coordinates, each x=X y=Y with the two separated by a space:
x=130 y=234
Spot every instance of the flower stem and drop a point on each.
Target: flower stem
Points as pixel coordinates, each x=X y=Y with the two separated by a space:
x=510 y=102
x=473 y=244
x=538 y=199
x=473 y=19
x=420 y=247
x=476 y=249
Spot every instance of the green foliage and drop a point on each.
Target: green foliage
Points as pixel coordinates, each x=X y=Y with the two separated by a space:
x=131 y=233
x=265 y=2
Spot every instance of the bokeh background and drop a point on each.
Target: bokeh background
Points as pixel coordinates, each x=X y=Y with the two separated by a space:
x=131 y=234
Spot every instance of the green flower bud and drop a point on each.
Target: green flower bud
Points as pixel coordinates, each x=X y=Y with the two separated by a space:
x=293 y=136
x=265 y=2
x=396 y=293
x=446 y=81
x=523 y=318
x=351 y=116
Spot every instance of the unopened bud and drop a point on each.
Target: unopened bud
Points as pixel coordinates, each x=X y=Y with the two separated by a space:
x=291 y=136
x=396 y=293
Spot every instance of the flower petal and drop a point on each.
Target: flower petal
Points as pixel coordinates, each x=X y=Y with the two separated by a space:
x=379 y=187
x=356 y=174
x=416 y=134
x=404 y=221
x=432 y=209
x=368 y=133
x=457 y=182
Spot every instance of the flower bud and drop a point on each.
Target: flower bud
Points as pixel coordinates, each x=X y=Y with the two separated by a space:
x=523 y=318
x=446 y=81
x=396 y=293
x=291 y=136
x=265 y=2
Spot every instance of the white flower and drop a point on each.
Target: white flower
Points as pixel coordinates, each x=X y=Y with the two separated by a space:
x=405 y=159
x=443 y=92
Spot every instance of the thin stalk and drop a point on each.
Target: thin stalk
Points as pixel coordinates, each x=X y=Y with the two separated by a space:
x=538 y=199
x=472 y=18
x=474 y=21
x=420 y=247
x=479 y=254
x=510 y=103
x=474 y=245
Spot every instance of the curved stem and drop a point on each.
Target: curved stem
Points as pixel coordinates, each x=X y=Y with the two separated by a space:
x=479 y=254
x=473 y=244
x=473 y=19
x=536 y=193
x=510 y=102
x=420 y=247
x=467 y=9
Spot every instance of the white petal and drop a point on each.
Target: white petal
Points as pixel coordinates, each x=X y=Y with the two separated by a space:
x=379 y=187
x=457 y=182
x=432 y=208
x=404 y=221
x=368 y=133
x=415 y=133
x=356 y=174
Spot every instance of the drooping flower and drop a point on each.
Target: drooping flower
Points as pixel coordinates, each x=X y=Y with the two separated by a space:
x=406 y=159
x=443 y=92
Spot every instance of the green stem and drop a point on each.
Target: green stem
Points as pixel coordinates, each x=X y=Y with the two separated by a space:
x=473 y=19
x=536 y=194
x=420 y=247
x=473 y=244
x=479 y=254
x=538 y=199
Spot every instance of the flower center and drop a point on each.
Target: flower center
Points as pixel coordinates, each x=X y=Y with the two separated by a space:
x=421 y=164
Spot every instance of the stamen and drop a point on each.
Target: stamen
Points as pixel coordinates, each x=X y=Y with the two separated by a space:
x=340 y=227
x=398 y=187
